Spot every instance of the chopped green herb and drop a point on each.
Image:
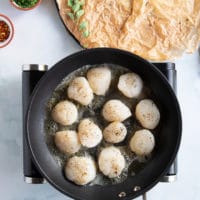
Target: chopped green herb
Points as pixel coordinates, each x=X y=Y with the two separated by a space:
x=76 y=7
x=79 y=13
x=86 y=33
x=71 y=15
x=70 y=3
x=85 y=46
x=83 y=25
x=82 y=3
x=26 y=3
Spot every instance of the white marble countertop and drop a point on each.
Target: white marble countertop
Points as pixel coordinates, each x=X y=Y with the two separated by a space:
x=40 y=37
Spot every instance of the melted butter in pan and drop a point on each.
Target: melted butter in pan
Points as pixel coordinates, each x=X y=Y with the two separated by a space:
x=133 y=163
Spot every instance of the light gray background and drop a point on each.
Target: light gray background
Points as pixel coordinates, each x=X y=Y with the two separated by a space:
x=40 y=37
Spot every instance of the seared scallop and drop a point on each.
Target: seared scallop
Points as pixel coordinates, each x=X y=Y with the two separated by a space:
x=115 y=110
x=80 y=170
x=90 y=135
x=115 y=132
x=130 y=84
x=111 y=162
x=65 y=113
x=80 y=91
x=147 y=113
x=67 y=141
x=99 y=79
x=142 y=143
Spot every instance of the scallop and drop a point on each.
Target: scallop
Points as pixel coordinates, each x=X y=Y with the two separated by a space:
x=115 y=132
x=115 y=110
x=80 y=91
x=80 y=170
x=65 y=113
x=147 y=113
x=99 y=79
x=90 y=135
x=111 y=162
x=142 y=143
x=67 y=141
x=130 y=84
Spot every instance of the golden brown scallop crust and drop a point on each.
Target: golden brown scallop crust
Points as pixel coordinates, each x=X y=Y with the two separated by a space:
x=153 y=29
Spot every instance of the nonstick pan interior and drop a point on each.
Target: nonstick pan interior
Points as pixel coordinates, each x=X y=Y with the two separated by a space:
x=167 y=143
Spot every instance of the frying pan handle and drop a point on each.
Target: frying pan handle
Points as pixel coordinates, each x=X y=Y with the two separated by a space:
x=31 y=74
x=144 y=196
x=169 y=71
x=171 y=175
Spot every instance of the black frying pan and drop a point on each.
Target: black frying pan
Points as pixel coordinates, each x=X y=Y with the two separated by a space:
x=168 y=139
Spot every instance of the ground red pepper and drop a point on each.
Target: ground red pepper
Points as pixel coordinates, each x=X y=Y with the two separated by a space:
x=4 y=31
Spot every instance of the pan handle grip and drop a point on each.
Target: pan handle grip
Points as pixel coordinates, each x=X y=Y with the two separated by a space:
x=31 y=74
x=171 y=175
x=169 y=71
x=144 y=196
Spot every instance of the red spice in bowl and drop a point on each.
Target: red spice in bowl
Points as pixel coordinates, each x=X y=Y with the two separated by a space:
x=6 y=31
